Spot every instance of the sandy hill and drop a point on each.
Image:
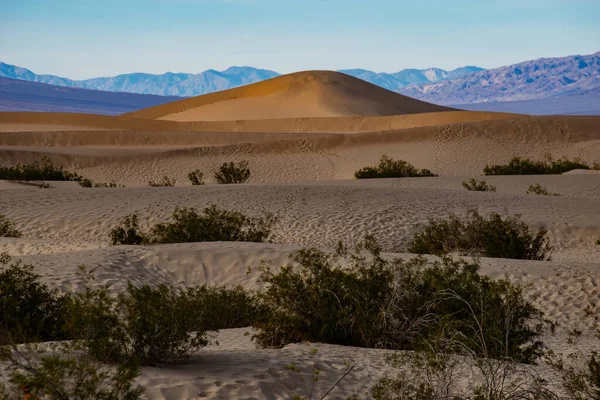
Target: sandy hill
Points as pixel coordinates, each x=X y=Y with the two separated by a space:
x=302 y=94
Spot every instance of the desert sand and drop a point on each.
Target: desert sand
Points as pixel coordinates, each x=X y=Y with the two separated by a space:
x=304 y=136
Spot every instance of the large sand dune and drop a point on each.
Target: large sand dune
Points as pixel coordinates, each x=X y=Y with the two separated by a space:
x=301 y=94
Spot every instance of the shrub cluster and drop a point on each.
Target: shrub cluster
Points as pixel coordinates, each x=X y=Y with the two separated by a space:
x=189 y=226
x=38 y=171
x=390 y=168
x=524 y=166
x=196 y=177
x=363 y=299
x=88 y=183
x=539 y=189
x=7 y=228
x=233 y=172
x=29 y=310
x=476 y=235
x=478 y=186
x=165 y=182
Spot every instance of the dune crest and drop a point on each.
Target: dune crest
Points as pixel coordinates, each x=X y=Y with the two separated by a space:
x=301 y=94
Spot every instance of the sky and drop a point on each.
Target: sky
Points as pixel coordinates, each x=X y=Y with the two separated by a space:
x=83 y=39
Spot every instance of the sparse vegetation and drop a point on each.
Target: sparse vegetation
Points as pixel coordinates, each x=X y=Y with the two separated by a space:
x=88 y=183
x=363 y=299
x=128 y=232
x=540 y=190
x=390 y=168
x=38 y=171
x=29 y=310
x=73 y=376
x=7 y=228
x=524 y=166
x=233 y=172
x=165 y=182
x=145 y=325
x=196 y=177
x=476 y=235
x=478 y=186
x=189 y=226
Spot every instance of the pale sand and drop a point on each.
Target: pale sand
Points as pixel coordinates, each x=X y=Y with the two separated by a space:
x=304 y=136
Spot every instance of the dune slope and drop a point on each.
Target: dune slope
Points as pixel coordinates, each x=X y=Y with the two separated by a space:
x=301 y=94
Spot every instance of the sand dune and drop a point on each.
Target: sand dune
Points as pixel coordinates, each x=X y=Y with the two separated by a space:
x=134 y=157
x=301 y=94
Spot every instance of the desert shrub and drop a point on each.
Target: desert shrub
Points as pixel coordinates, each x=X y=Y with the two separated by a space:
x=7 y=228
x=74 y=376
x=390 y=168
x=29 y=310
x=88 y=183
x=38 y=171
x=212 y=226
x=165 y=182
x=367 y=300
x=196 y=177
x=524 y=166
x=478 y=186
x=494 y=236
x=539 y=189
x=233 y=172
x=226 y=308
x=189 y=226
x=146 y=325
x=598 y=242
x=127 y=232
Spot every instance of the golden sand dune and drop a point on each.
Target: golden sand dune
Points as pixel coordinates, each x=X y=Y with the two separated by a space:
x=301 y=94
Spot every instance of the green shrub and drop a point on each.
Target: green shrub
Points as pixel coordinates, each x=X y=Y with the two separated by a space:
x=213 y=226
x=233 y=172
x=196 y=177
x=165 y=182
x=88 y=183
x=74 y=376
x=38 y=171
x=29 y=310
x=7 y=228
x=226 y=308
x=367 y=300
x=524 y=166
x=128 y=232
x=390 y=168
x=475 y=235
x=146 y=325
x=478 y=186
x=539 y=189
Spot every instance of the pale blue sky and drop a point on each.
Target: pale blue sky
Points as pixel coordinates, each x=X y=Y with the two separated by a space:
x=82 y=39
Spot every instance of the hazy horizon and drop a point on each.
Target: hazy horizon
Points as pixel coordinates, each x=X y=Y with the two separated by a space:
x=83 y=39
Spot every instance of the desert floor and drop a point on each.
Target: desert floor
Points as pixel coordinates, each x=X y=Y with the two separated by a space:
x=302 y=170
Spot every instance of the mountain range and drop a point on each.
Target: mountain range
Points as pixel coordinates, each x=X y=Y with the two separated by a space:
x=544 y=86
x=530 y=80
x=188 y=85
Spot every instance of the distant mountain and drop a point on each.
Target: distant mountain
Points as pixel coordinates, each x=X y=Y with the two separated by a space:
x=407 y=77
x=168 y=84
x=530 y=80
x=187 y=85
x=19 y=95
